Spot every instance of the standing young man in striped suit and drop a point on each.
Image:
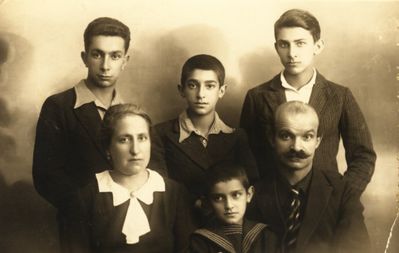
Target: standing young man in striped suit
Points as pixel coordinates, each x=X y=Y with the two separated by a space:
x=298 y=41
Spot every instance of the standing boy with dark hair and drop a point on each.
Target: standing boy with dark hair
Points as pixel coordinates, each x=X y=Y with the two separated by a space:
x=198 y=138
x=68 y=150
x=228 y=192
x=298 y=41
x=311 y=209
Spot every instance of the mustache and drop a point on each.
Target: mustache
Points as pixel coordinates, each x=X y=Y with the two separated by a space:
x=298 y=154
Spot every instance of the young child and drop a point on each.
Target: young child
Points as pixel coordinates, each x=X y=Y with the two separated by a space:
x=228 y=193
x=198 y=139
x=298 y=42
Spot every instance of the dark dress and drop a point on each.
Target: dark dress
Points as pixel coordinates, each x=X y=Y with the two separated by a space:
x=96 y=225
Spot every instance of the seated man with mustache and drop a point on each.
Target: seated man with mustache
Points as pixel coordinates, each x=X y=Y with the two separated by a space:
x=310 y=209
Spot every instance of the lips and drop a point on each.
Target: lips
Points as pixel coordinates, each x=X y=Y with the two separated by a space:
x=105 y=78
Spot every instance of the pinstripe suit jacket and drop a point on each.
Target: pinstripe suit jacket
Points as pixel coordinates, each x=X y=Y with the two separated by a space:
x=339 y=115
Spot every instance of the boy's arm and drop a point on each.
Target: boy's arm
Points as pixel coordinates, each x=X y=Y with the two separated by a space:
x=198 y=244
x=359 y=152
x=50 y=156
x=351 y=234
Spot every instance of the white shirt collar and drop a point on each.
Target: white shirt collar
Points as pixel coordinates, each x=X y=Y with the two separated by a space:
x=85 y=96
x=309 y=85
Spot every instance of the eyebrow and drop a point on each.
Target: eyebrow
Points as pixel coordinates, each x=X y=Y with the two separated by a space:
x=110 y=52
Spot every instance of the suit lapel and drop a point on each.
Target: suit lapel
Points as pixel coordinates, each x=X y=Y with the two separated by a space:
x=318 y=198
x=91 y=122
x=191 y=147
x=274 y=95
x=319 y=96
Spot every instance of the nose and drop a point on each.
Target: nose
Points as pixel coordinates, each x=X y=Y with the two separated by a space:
x=201 y=92
x=297 y=144
x=228 y=205
x=134 y=147
x=105 y=63
x=292 y=51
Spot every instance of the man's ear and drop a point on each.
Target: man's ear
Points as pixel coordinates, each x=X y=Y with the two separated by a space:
x=83 y=55
x=318 y=47
x=250 y=193
x=318 y=140
x=222 y=90
x=180 y=88
x=125 y=61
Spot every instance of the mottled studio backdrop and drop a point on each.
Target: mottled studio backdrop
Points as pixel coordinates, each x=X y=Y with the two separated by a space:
x=40 y=44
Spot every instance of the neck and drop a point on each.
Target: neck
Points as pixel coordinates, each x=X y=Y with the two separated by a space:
x=130 y=182
x=293 y=175
x=104 y=94
x=202 y=123
x=299 y=80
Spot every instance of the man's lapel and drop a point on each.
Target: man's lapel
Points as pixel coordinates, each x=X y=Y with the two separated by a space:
x=318 y=198
x=319 y=96
x=274 y=95
x=91 y=122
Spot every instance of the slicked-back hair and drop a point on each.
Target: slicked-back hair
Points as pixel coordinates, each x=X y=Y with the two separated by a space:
x=116 y=113
x=203 y=62
x=295 y=108
x=298 y=18
x=108 y=27
x=223 y=173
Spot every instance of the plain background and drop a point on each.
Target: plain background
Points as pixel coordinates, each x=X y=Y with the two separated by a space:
x=40 y=45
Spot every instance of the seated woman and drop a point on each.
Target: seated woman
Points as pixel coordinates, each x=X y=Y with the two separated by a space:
x=130 y=208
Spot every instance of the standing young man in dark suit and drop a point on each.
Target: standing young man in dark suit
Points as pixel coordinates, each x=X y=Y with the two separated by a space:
x=68 y=148
x=298 y=41
x=311 y=209
x=198 y=139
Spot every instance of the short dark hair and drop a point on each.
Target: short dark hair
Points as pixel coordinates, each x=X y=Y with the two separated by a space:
x=223 y=173
x=108 y=27
x=298 y=18
x=116 y=113
x=204 y=62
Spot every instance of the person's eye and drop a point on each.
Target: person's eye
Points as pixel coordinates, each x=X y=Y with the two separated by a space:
x=142 y=137
x=282 y=44
x=191 y=85
x=210 y=86
x=124 y=139
x=116 y=56
x=308 y=137
x=96 y=55
x=217 y=198
x=237 y=195
x=301 y=43
x=285 y=136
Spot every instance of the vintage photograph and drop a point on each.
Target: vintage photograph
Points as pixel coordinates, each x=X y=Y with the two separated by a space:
x=199 y=126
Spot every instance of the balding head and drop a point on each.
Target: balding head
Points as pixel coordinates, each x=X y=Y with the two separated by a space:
x=295 y=109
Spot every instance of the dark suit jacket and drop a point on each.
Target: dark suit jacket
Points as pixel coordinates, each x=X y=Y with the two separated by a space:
x=67 y=148
x=339 y=115
x=187 y=162
x=333 y=219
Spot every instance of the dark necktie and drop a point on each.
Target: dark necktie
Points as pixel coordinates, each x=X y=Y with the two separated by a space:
x=293 y=220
